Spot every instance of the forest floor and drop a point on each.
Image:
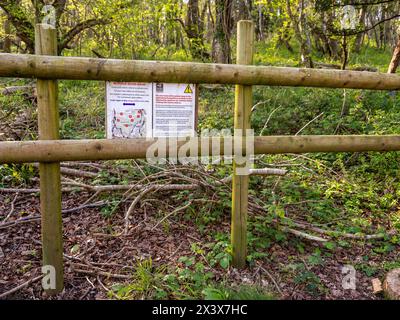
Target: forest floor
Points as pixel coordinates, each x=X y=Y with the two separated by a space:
x=175 y=242
x=95 y=260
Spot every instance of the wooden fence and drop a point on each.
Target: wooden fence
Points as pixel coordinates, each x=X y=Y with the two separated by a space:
x=50 y=151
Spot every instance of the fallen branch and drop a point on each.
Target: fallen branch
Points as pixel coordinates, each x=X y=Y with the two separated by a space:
x=37 y=218
x=103 y=273
x=77 y=173
x=12 y=208
x=20 y=221
x=14 y=89
x=107 y=188
x=133 y=204
x=268 y=172
x=72 y=172
x=278 y=288
x=304 y=235
x=21 y=286
x=343 y=234
x=85 y=206
x=171 y=213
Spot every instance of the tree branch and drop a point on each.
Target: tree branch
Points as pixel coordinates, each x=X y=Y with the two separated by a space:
x=24 y=28
x=353 y=33
x=358 y=3
x=71 y=34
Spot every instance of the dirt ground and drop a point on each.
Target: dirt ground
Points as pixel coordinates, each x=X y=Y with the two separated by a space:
x=99 y=251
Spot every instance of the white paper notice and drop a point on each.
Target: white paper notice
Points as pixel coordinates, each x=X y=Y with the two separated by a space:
x=174 y=109
x=129 y=109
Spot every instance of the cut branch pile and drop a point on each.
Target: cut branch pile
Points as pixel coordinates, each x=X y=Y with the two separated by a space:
x=199 y=184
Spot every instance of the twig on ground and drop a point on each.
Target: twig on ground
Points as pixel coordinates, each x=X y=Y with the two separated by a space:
x=21 y=286
x=103 y=273
x=72 y=172
x=91 y=198
x=30 y=191
x=173 y=253
x=107 y=188
x=278 y=288
x=257 y=104
x=89 y=205
x=133 y=204
x=343 y=234
x=103 y=286
x=12 y=208
x=172 y=213
x=304 y=235
x=37 y=218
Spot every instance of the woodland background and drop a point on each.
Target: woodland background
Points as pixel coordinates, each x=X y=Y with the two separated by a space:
x=178 y=246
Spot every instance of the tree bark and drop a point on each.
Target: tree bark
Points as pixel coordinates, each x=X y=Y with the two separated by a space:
x=194 y=32
x=7 y=38
x=223 y=31
x=245 y=7
x=24 y=28
x=360 y=36
x=301 y=32
x=395 y=57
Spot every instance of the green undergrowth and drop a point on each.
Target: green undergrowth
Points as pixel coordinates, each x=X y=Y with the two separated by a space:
x=345 y=193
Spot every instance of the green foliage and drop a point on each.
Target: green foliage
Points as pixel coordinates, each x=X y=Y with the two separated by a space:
x=15 y=174
x=147 y=280
x=354 y=193
x=240 y=293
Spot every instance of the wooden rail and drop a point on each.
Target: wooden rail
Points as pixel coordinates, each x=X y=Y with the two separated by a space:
x=81 y=150
x=74 y=68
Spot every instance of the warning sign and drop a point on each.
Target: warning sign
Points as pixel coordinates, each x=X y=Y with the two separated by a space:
x=150 y=109
x=174 y=110
x=188 y=89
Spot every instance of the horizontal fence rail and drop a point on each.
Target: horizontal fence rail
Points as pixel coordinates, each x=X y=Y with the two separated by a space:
x=77 y=68
x=79 y=150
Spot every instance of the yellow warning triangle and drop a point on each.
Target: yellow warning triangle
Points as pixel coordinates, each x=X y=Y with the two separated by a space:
x=188 y=89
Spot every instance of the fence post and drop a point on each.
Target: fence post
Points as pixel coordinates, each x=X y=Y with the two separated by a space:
x=50 y=180
x=240 y=183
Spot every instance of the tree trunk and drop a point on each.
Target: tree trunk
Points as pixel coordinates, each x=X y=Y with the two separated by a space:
x=7 y=38
x=24 y=29
x=245 y=7
x=223 y=30
x=395 y=58
x=300 y=29
x=194 y=32
x=360 y=36
x=260 y=23
x=210 y=23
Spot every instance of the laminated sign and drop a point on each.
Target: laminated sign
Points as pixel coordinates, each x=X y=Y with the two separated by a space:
x=137 y=109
